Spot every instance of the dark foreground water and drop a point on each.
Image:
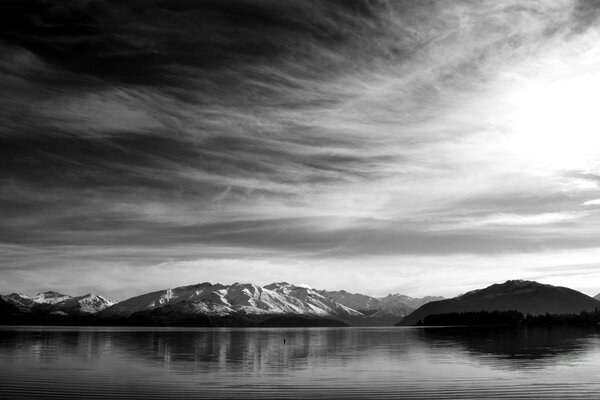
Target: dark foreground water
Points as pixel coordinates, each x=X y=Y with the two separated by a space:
x=115 y=363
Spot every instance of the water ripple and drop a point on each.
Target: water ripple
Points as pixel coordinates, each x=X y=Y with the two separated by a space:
x=112 y=363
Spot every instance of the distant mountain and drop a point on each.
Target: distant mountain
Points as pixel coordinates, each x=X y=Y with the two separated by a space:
x=597 y=297
x=282 y=304
x=392 y=305
x=87 y=304
x=26 y=302
x=527 y=297
x=57 y=303
x=208 y=304
x=248 y=304
x=413 y=302
x=360 y=302
x=243 y=304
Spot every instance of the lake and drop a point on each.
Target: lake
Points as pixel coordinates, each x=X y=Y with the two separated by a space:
x=395 y=362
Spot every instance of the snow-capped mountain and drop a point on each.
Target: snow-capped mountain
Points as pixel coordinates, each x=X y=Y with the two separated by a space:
x=360 y=302
x=25 y=302
x=208 y=304
x=89 y=303
x=50 y=298
x=220 y=300
x=314 y=299
x=57 y=303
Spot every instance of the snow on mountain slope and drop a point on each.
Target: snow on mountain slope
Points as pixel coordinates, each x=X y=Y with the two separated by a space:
x=356 y=301
x=220 y=300
x=21 y=301
x=50 y=297
x=217 y=299
x=57 y=303
x=314 y=299
x=89 y=304
x=25 y=302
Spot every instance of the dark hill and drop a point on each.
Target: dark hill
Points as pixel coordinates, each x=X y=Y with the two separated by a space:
x=9 y=310
x=527 y=297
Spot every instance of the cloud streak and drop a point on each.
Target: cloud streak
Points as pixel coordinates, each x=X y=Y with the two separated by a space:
x=313 y=132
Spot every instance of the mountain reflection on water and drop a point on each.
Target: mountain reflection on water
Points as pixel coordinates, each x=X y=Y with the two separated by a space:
x=315 y=362
x=515 y=347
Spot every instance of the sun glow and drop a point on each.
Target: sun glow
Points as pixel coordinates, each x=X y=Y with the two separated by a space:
x=555 y=123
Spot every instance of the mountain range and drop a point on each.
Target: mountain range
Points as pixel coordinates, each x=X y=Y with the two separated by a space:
x=392 y=304
x=58 y=304
x=283 y=304
x=526 y=297
x=217 y=304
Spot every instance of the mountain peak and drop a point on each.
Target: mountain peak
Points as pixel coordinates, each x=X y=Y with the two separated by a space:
x=397 y=295
x=49 y=297
x=527 y=297
x=279 y=284
x=59 y=303
x=245 y=298
x=199 y=285
x=519 y=283
x=94 y=296
x=510 y=286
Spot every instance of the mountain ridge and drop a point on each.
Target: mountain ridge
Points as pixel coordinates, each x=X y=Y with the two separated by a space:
x=219 y=299
x=527 y=297
x=238 y=301
x=58 y=303
x=246 y=304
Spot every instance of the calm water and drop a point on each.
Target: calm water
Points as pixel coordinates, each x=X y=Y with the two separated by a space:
x=116 y=363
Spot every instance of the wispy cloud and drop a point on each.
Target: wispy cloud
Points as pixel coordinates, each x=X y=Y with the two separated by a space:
x=594 y=202
x=315 y=132
x=536 y=219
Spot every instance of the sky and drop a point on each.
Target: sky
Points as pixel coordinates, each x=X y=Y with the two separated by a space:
x=420 y=147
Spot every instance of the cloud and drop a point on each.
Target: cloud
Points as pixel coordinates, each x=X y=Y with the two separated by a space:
x=536 y=219
x=159 y=132
x=594 y=202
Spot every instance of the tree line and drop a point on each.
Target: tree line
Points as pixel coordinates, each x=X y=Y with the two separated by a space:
x=511 y=317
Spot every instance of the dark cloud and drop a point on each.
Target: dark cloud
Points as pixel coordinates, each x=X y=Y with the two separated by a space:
x=585 y=15
x=138 y=43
